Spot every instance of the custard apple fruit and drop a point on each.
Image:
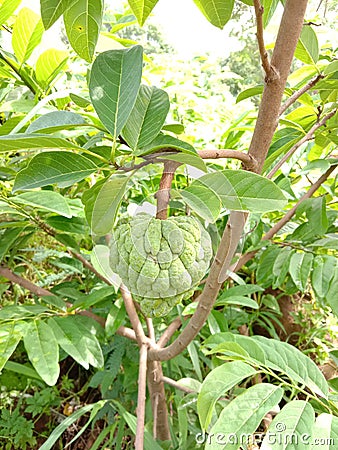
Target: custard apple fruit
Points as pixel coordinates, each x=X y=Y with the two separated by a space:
x=160 y=261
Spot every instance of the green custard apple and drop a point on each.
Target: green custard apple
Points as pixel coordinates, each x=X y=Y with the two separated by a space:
x=160 y=261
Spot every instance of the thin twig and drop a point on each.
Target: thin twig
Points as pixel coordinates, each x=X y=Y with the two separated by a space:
x=133 y=317
x=308 y=136
x=141 y=397
x=295 y=96
x=151 y=330
x=285 y=219
x=176 y=385
x=234 y=154
x=169 y=331
x=270 y=72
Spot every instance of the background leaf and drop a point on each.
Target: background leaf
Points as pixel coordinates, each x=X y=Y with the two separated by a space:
x=13 y=142
x=242 y=416
x=7 y=8
x=218 y=12
x=102 y=202
x=49 y=64
x=76 y=340
x=61 y=168
x=51 y=10
x=9 y=339
x=142 y=9
x=83 y=19
x=307 y=49
x=43 y=351
x=216 y=384
x=292 y=424
x=44 y=200
x=27 y=33
x=114 y=83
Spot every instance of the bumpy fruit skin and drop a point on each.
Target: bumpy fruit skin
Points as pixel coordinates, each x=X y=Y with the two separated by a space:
x=160 y=261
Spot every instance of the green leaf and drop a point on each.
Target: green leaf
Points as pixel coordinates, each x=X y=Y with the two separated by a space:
x=27 y=34
x=48 y=65
x=290 y=427
x=43 y=351
x=114 y=83
x=281 y=266
x=66 y=423
x=7 y=239
x=22 y=369
x=283 y=357
x=7 y=8
x=86 y=301
x=10 y=336
x=61 y=168
x=100 y=260
x=83 y=19
x=332 y=293
x=164 y=141
x=44 y=200
x=54 y=121
x=244 y=191
x=242 y=416
x=76 y=340
x=264 y=274
x=102 y=203
x=51 y=10
x=142 y=9
x=14 y=142
x=218 y=12
x=147 y=117
x=187 y=158
x=307 y=49
x=201 y=200
x=325 y=432
x=251 y=92
x=300 y=268
x=269 y=9
x=238 y=300
x=20 y=312
x=322 y=274
x=217 y=383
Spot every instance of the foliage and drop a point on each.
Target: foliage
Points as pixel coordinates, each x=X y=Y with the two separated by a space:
x=82 y=147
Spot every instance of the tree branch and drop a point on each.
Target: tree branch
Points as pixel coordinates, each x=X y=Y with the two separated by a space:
x=309 y=135
x=270 y=72
x=141 y=397
x=176 y=385
x=295 y=96
x=133 y=317
x=158 y=401
x=235 y=154
x=285 y=219
x=169 y=331
x=163 y=194
x=267 y=120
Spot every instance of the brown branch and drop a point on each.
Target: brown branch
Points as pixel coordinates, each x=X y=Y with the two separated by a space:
x=235 y=154
x=285 y=219
x=163 y=194
x=230 y=238
x=158 y=401
x=133 y=317
x=141 y=397
x=295 y=96
x=270 y=72
x=309 y=135
x=176 y=385
x=169 y=331
x=267 y=120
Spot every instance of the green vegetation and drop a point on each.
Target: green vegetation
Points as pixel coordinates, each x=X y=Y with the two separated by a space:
x=105 y=132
